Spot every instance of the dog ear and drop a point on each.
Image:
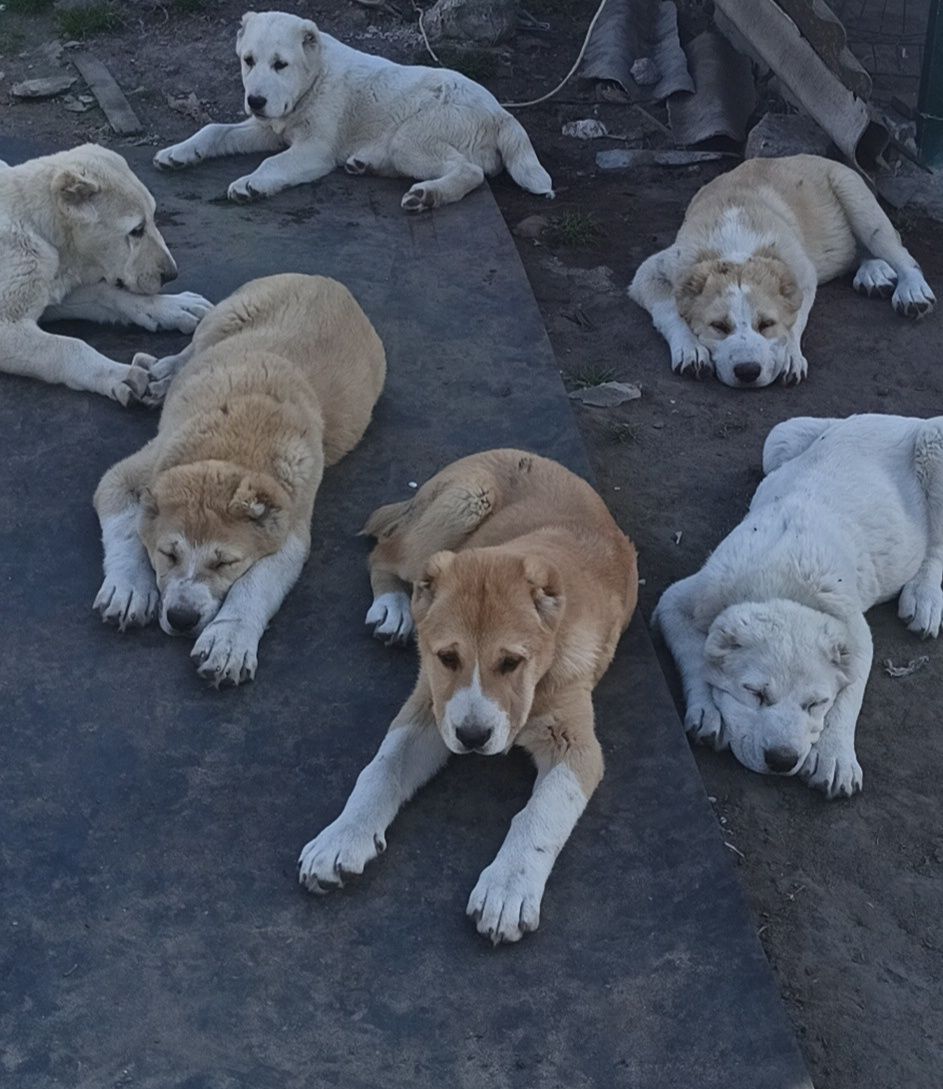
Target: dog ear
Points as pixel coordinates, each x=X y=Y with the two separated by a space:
x=74 y=189
x=839 y=654
x=243 y=24
x=424 y=590
x=258 y=499
x=696 y=277
x=147 y=503
x=546 y=589
x=723 y=637
x=309 y=36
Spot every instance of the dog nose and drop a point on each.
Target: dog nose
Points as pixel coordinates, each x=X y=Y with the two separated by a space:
x=780 y=759
x=167 y=275
x=256 y=103
x=182 y=618
x=473 y=736
x=747 y=372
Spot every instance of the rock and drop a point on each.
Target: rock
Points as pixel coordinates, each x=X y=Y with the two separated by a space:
x=607 y=394
x=645 y=72
x=47 y=87
x=75 y=104
x=485 y=22
x=532 y=227
x=587 y=129
x=777 y=134
x=619 y=159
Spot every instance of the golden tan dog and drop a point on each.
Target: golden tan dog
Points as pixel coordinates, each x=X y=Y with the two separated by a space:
x=279 y=381
x=522 y=585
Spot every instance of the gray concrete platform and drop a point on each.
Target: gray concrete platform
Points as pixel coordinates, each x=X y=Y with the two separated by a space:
x=154 y=933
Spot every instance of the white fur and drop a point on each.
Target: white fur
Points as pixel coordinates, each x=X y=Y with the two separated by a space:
x=321 y=105
x=391 y=617
x=769 y=636
x=470 y=704
x=128 y=596
x=505 y=903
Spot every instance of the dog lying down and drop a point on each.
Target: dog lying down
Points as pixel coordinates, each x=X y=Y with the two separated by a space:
x=734 y=292
x=522 y=585
x=208 y=525
x=78 y=240
x=321 y=104
x=770 y=636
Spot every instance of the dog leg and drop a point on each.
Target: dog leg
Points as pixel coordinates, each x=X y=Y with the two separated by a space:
x=921 y=599
x=128 y=596
x=27 y=350
x=652 y=288
x=912 y=296
x=795 y=365
x=832 y=764
x=458 y=177
x=227 y=649
x=411 y=754
x=505 y=904
x=791 y=438
x=301 y=163
x=390 y=615
x=674 y=616
x=212 y=141
x=104 y=303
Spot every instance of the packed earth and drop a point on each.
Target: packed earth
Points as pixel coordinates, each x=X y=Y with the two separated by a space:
x=847 y=894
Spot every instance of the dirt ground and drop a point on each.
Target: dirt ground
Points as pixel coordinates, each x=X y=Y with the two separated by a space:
x=847 y=894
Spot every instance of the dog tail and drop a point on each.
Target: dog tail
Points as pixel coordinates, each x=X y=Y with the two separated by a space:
x=520 y=159
x=385 y=520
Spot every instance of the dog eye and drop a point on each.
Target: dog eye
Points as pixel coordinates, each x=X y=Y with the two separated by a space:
x=509 y=663
x=764 y=324
x=169 y=555
x=218 y=565
x=812 y=704
x=279 y=65
x=137 y=232
x=449 y=659
x=721 y=327
x=759 y=694
x=248 y=60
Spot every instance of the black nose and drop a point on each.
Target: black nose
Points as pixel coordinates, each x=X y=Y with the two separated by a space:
x=182 y=618
x=167 y=275
x=747 y=372
x=256 y=103
x=473 y=736
x=780 y=760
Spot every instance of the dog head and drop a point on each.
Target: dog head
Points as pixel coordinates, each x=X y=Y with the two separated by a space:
x=486 y=625
x=204 y=525
x=107 y=216
x=775 y=669
x=280 y=55
x=744 y=313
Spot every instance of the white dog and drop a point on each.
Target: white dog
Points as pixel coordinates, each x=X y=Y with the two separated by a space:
x=322 y=105
x=734 y=292
x=78 y=240
x=770 y=636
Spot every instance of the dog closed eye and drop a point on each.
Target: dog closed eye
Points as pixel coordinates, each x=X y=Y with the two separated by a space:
x=763 y=324
x=722 y=327
x=760 y=695
x=814 y=705
x=449 y=659
x=169 y=555
x=219 y=563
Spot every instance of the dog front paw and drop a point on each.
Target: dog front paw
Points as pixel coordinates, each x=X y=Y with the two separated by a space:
x=691 y=358
x=419 y=198
x=182 y=312
x=342 y=850
x=249 y=188
x=176 y=157
x=391 y=618
x=795 y=366
x=226 y=653
x=836 y=773
x=913 y=297
x=876 y=279
x=920 y=606
x=126 y=602
x=704 y=724
x=505 y=904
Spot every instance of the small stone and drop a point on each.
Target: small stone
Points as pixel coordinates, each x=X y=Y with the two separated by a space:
x=47 y=87
x=532 y=227
x=645 y=72
x=587 y=129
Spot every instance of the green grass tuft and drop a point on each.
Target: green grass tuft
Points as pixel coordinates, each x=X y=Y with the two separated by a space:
x=576 y=229
x=590 y=375
x=83 y=22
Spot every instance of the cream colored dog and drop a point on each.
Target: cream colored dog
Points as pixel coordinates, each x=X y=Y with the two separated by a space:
x=279 y=381
x=515 y=626
x=78 y=240
x=321 y=105
x=734 y=292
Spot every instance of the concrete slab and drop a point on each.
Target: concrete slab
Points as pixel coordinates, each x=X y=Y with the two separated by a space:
x=155 y=936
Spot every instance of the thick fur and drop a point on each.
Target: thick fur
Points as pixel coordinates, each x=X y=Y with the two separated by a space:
x=322 y=105
x=78 y=240
x=734 y=292
x=208 y=526
x=770 y=636
x=521 y=586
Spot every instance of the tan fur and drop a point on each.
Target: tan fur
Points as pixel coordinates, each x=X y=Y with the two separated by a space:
x=280 y=380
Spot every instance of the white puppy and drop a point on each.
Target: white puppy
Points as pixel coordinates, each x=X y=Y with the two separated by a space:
x=321 y=105
x=78 y=240
x=734 y=292
x=770 y=636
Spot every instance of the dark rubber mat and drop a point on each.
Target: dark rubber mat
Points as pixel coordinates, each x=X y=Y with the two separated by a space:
x=154 y=933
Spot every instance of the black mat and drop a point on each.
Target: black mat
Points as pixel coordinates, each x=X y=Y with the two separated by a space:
x=154 y=935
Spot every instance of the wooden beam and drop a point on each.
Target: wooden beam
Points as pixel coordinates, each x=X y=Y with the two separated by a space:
x=109 y=95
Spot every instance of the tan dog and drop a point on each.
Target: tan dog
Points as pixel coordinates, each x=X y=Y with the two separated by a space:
x=515 y=626
x=279 y=381
x=734 y=292
x=78 y=240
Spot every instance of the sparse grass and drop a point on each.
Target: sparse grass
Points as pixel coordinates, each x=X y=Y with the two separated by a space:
x=10 y=40
x=622 y=433
x=576 y=229
x=28 y=7
x=591 y=374
x=477 y=64
x=83 y=22
x=189 y=5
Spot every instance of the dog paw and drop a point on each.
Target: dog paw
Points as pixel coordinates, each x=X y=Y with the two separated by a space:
x=795 y=366
x=342 y=850
x=876 y=279
x=691 y=359
x=126 y=603
x=356 y=166
x=391 y=618
x=175 y=158
x=505 y=904
x=836 y=774
x=226 y=653
x=419 y=199
x=920 y=606
x=913 y=297
x=703 y=723
x=181 y=313
x=244 y=190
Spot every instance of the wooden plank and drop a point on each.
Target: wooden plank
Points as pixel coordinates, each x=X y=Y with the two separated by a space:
x=109 y=95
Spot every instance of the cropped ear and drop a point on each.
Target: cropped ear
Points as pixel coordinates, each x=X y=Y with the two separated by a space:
x=696 y=277
x=259 y=499
x=147 y=503
x=424 y=590
x=243 y=24
x=309 y=33
x=74 y=189
x=546 y=589
x=725 y=635
x=839 y=654
x=787 y=286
